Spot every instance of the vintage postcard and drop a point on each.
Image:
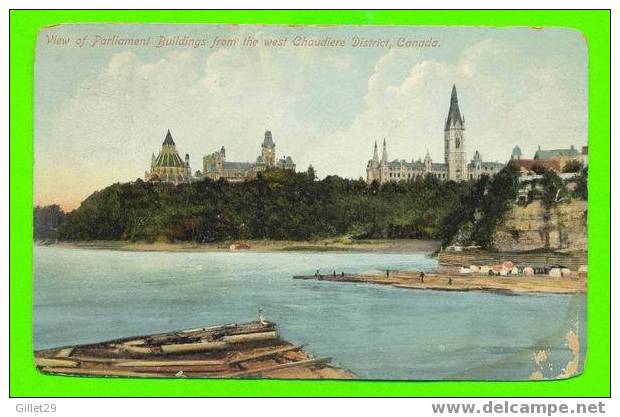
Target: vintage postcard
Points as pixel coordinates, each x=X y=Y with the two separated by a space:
x=329 y=202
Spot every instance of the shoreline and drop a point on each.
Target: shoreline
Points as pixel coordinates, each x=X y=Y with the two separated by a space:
x=323 y=245
x=537 y=284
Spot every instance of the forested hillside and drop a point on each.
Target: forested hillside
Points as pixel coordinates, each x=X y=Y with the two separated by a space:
x=281 y=205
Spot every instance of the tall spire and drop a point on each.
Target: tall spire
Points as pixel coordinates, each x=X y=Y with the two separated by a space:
x=384 y=156
x=268 y=141
x=375 y=155
x=454 y=114
x=168 y=140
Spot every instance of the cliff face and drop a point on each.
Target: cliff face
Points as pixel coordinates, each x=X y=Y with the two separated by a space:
x=534 y=227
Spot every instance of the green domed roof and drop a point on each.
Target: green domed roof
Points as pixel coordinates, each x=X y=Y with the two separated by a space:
x=168 y=156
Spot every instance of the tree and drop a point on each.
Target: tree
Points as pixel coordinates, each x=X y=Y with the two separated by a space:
x=581 y=190
x=539 y=169
x=573 y=166
x=310 y=173
x=47 y=219
x=278 y=204
x=553 y=189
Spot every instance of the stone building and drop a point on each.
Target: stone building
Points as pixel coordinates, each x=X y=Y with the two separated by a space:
x=563 y=156
x=168 y=167
x=549 y=159
x=454 y=167
x=215 y=165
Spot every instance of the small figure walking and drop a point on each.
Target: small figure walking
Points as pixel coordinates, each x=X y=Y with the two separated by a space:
x=450 y=281
x=261 y=318
x=422 y=276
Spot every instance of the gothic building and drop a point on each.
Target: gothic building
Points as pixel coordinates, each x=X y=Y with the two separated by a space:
x=168 y=167
x=215 y=165
x=455 y=166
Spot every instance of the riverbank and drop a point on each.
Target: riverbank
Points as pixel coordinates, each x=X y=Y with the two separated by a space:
x=322 y=245
x=453 y=282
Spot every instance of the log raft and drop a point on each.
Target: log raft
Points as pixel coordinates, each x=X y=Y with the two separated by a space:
x=440 y=281
x=249 y=350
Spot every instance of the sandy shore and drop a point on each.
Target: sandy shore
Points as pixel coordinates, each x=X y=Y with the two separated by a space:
x=447 y=282
x=324 y=245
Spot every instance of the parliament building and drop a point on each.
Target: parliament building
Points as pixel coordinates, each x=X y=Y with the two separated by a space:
x=168 y=167
x=454 y=166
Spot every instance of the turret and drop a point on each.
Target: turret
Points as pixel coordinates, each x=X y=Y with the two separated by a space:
x=189 y=170
x=428 y=162
x=375 y=155
x=454 y=141
x=384 y=155
x=268 y=149
x=454 y=119
x=168 y=141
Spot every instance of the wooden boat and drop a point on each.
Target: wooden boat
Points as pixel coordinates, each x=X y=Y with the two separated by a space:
x=249 y=350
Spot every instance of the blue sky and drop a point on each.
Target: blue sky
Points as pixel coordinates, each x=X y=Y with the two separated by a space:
x=101 y=111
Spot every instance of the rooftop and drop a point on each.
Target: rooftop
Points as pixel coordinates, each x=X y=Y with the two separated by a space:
x=454 y=114
x=555 y=153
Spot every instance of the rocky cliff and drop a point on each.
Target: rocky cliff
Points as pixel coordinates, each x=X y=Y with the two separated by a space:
x=563 y=227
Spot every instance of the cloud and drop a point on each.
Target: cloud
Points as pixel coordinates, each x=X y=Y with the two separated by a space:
x=108 y=128
x=321 y=105
x=506 y=98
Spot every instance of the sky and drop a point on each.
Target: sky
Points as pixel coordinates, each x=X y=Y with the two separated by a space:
x=101 y=110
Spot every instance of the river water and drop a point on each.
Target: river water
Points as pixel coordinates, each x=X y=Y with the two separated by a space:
x=378 y=332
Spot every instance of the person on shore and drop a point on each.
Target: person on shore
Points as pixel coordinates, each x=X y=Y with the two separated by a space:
x=421 y=276
x=261 y=317
x=387 y=272
x=450 y=281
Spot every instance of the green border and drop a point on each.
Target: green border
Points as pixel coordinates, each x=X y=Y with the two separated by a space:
x=26 y=381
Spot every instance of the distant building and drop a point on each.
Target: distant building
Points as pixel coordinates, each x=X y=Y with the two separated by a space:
x=168 y=167
x=455 y=166
x=563 y=156
x=551 y=159
x=215 y=165
x=527 y=166
x=530 y=170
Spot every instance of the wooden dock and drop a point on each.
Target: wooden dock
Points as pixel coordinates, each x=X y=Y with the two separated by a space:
x=250 y=350
x=439 y=281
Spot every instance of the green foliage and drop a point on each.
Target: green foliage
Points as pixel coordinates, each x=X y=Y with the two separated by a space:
x=478 y=212
x=47 y=220
x=573 y=166
x=277 y=205
x=553 y=189
x=581 y=189
x=539 y=169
